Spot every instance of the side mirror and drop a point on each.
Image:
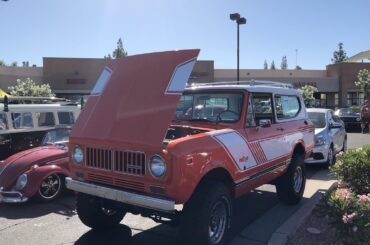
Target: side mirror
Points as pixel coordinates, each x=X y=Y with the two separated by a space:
x=335 y=125
x=265 y=123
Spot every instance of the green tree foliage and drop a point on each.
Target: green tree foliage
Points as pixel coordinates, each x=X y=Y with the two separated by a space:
x=14 y=64
x=363 y=82
x=339 y=55
x=272 y=66
x=28 y=87
x=307 y=93
x=2 y=63
x=298 y=67
x=119 y=52
x=284 y=63
x=265 y=65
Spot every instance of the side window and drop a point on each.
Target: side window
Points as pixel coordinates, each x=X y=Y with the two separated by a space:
x=22 y=120
x=3 y=122
x=45 y=119
x=66 y=117
x=287 y=106
x=260 y=108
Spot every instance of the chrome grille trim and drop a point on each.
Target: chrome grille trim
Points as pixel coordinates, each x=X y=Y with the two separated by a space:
x=127 y=162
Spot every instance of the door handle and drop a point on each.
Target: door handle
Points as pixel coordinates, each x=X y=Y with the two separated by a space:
x=280 y=129
x=305 y=122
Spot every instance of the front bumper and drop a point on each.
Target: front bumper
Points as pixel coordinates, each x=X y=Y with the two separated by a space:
x=134 y=199
x=321 y=150
x=11 y=197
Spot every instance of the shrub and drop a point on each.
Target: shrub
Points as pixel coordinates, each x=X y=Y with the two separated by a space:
x=350 y=213
x=353 y=169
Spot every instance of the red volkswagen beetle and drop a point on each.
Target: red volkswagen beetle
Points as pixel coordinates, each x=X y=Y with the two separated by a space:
x=38 y=172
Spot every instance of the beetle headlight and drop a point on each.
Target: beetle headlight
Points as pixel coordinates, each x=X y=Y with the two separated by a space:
x=21 y=182
x=157 y=166
x=77 y=154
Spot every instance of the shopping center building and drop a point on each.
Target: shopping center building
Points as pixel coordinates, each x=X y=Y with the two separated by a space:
x=76 y=77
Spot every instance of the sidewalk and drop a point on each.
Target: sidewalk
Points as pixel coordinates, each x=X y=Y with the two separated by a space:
x=274 y=227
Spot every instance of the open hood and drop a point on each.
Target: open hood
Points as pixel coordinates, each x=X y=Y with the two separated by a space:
x=135 y=98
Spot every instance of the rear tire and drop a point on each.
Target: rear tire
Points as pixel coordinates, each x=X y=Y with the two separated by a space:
x=344 y=149
x=290 y=186
x=331 y=157
x=206 y=217
x=93 y=214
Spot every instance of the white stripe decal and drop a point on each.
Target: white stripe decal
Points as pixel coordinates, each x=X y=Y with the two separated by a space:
x=237 y=148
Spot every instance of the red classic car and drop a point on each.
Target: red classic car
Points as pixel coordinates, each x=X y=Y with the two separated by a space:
x=38 y=172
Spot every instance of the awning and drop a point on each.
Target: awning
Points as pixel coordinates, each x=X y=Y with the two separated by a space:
x=2 y=93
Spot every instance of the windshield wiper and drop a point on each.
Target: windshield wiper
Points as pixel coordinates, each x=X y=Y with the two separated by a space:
x=201 y=120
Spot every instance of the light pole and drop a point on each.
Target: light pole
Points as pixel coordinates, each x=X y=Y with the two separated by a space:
x=239 y=21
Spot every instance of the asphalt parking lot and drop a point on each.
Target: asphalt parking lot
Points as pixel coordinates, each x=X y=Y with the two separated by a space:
x=57 y=222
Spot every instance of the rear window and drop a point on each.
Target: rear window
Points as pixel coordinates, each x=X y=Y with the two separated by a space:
x=22 y=120
x=287 y=106
x=66 y=117
x=45 y=119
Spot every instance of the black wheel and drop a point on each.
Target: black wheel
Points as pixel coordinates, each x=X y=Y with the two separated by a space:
x=206 y=217
x=50 y=188
x=290 y=186
x=331 y=157
x=93 y=214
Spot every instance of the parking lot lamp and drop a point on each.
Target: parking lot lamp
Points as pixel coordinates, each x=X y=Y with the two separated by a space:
x=239 y=21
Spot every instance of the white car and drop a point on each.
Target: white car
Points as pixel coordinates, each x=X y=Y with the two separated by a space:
x=330 y=136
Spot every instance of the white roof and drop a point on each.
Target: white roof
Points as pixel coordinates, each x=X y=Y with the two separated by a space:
x=322 y=110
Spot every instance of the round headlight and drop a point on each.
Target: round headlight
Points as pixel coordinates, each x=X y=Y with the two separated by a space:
x=77 y=154
x=21 y=182
x=157 y=166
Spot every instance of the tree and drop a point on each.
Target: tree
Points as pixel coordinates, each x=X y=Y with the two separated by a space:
x=339 y=55
x=14 y=64
x=265 y=65
x=284 y=63
x=272 y=66
x=119 y=52
x=298 y=67
x=25 y=64
x=2 y=63
x=307 y=94
x=364 y=82
x=28 y=87
x=108 y=57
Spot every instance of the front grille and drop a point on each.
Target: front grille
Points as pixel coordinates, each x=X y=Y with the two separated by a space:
x=106 y=180
x=349 y=119
x=128 y=162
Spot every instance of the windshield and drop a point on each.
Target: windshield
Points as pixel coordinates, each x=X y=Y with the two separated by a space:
x=56 y=136
x=349 y=111
x=225 y=107
x=318 y=119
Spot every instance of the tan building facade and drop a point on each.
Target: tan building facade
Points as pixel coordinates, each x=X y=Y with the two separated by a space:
x=76 y=77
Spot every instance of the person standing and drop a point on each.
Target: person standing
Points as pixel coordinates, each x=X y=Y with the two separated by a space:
x=365 y=116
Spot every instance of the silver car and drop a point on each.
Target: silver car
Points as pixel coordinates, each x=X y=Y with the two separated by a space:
x=330 y=136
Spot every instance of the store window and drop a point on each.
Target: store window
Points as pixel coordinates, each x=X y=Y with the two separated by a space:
x=355 y=98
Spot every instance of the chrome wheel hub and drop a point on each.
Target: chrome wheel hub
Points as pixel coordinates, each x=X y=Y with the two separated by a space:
x=50 y=187
x=217 y=223
x=298 y=179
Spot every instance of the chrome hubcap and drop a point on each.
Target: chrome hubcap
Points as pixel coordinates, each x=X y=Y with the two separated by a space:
x=298 y=179
x=217 y=223
x=50 y=186
x=330 y=156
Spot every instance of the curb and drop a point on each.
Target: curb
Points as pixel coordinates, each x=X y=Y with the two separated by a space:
x=289 y=227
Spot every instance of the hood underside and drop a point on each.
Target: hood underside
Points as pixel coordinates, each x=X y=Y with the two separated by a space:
x=135 y=98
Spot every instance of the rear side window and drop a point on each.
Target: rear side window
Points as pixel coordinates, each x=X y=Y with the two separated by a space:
x=45 y=119
x=287 y=106
x=22 y=120
x=3 y=123
x=66 y=117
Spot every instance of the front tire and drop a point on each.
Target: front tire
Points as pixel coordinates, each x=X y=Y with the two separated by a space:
x=290 y=186
x=51 y=188
x=93 y=214
x=331 y=157
x=206 y=218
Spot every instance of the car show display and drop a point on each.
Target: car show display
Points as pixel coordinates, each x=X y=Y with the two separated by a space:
x=148 y=144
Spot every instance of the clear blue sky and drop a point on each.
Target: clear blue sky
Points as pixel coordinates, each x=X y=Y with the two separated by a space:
x=32 y=29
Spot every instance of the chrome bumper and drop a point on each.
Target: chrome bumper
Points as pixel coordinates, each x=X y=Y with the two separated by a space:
x=121 y=196
x=11 y=197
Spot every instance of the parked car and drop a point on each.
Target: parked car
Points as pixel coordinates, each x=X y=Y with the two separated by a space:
x=38 y=172
x=23 y=126
x=350 y=116
x=330 y=136
x=128 y=155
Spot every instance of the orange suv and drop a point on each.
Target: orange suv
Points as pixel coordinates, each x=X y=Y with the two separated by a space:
x=146 y=144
